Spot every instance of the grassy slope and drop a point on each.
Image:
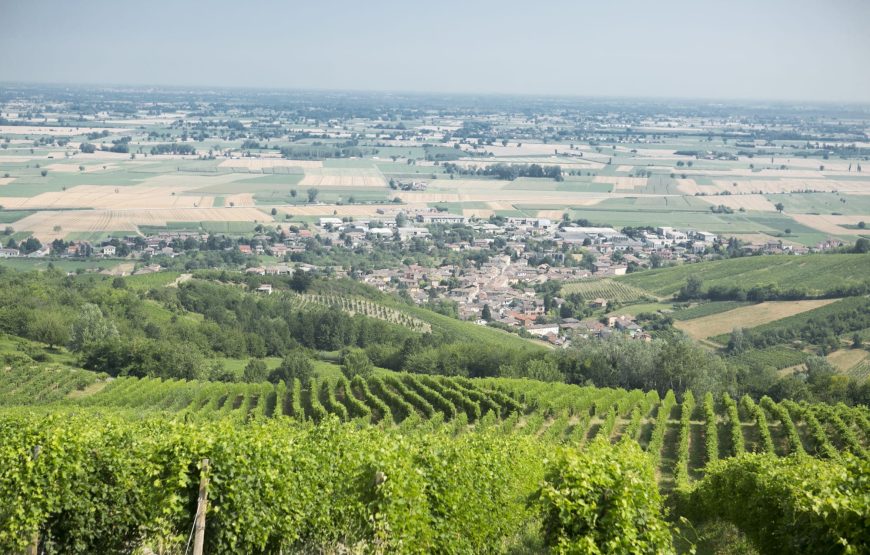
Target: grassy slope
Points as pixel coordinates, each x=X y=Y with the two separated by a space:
x=819 y=272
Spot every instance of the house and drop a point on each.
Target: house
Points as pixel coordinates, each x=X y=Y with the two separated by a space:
x=9 y=253
x=109 y=250
x=265 y=288
x=245 y=249
x=598 y=303
x=322 y=222
x=441 y=218
x=542 y=330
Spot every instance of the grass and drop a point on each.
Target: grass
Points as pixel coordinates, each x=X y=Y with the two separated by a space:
x=816 y=272
x=822 y=203
x=9 y=216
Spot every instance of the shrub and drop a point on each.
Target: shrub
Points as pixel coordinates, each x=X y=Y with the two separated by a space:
x=603 y=500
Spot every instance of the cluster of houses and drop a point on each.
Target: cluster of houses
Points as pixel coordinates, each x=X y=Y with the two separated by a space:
x=522 y=252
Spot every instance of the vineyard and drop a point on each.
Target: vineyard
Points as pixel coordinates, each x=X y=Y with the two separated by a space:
x=365 y=307
x=682 y=437
x=394 y=463
x=610 y=290
x=817 y=273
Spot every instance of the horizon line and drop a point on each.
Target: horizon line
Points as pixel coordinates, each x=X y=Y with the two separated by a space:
x=411 y=92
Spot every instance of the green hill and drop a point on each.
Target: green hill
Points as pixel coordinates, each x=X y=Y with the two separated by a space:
x=816 y=273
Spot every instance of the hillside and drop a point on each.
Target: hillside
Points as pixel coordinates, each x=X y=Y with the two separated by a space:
x=281 y=450
x=558 y=413
x=816 y=273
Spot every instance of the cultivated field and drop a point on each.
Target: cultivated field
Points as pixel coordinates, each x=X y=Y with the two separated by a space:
x=820 y=272
x=604 y=289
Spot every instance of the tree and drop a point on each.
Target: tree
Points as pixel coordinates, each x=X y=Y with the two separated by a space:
x=692 y=288
x=862 y=246
x=355 y=362
x=255 y=371
x=312 y=194
x=90 y=328
x=737 y=343
x=293 y=193
x=294 y=365
x=779 y=207
x=274 y=212
x=43 y=173
x=862 y=225
x=857 y=342
x=655 y=260
x=48 y=327
x=486 y=313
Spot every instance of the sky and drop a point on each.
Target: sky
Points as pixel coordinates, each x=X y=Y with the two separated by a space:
x=791 y=50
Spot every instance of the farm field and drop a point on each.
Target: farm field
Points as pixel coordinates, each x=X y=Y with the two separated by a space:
x=829 y=320
x=603 y=189
x=706 y=309
x=846 y=360
x=746 y=317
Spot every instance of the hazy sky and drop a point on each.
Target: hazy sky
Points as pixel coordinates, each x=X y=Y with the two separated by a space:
x=758 y=49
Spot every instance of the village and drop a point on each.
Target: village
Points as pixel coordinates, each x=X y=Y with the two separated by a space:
x=503 y=270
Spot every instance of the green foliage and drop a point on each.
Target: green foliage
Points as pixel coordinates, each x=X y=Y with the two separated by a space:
x=91 y=328
x=757 y=413
x=816 y=273
x=355 y=362
x=255 y=371
x=657 y=438
x=781 y=413
x=738 y=444
x=681 y=471
x=791 y=505
x=295 y=366
x=602 y=500
x=711 y=433
x=104 y=485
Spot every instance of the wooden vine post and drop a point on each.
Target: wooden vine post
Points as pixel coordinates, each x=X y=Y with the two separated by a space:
x=201 y=506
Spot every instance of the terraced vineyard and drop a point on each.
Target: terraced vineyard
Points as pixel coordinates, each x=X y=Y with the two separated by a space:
x=604 y=289
x=681 y=437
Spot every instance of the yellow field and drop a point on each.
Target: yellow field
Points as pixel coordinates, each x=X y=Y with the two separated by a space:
x=43 y=223
x=269 y=163
x=827 y=223
x=747 y=202
x=107 y=197
x=845 y=359
x=746 y=317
